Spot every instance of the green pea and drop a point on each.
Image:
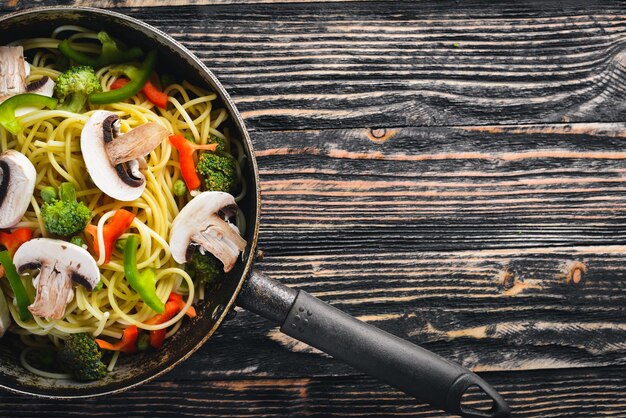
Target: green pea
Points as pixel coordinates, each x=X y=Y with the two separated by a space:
x=179 y=188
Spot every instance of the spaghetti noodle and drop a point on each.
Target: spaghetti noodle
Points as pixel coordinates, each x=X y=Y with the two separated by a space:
x=51 y=141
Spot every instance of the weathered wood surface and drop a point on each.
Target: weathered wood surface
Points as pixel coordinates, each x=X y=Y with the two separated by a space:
x=489 y=310
x=346 y=191
x=575 y=393
x=18 y=4
x=492 y=231
x=407 y=63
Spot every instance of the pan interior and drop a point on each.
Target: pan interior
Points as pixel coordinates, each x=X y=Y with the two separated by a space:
x=135 y=369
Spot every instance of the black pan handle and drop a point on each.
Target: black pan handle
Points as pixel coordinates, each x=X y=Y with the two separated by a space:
x=408 y=367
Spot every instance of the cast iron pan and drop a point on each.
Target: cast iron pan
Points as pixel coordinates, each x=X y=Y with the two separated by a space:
x=412 y=369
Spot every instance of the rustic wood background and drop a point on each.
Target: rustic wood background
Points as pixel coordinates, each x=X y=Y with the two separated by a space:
x=452 y=172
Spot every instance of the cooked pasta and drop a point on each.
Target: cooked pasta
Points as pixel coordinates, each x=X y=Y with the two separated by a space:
x=51 y=141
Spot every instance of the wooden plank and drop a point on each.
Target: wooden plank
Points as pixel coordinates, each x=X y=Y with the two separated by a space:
x=594 y=392
x=107 y=4
x=337 y=191
x=466 y=240
x=488 y=310
x=293 y=66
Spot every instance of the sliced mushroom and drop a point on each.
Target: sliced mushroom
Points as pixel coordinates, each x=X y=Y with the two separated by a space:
x=115 y=162
x=17 y=183
x=136 y=143
x=13 y=71
x=5 y=315
x=44 y=87
x=204 y=222
x=59 y=264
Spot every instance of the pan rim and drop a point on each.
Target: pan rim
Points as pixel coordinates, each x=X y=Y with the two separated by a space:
x=238 y=120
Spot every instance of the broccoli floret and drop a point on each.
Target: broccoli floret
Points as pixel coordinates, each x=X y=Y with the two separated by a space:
x=204 y=268
x=120 y=244
x=74 y=86
x=219 y=172
x=221 y=143
x=82 y=357
x=48 y=194
x=76 y=240
x=112 y=54
x=65 y=216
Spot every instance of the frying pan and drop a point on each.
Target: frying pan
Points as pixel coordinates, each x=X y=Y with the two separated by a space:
x=403 y=365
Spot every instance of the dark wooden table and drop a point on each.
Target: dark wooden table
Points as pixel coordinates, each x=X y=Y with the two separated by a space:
x=452 y=172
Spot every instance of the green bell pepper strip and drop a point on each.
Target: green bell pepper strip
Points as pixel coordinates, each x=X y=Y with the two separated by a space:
x=16 y=284
x=8 y=107
x=110 y=53
x=138 y=78
x=143 y=283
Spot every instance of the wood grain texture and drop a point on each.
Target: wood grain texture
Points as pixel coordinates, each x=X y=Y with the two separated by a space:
x=576 y=393
x=106 y=4
x=490 y=310
x=346 y=191
x=493 y=233
x=293 y=66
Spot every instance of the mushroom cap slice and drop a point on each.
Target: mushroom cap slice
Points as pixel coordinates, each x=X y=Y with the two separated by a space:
x=115 y=181
x=43 y=87
x=59 y=264
x=17 y=183
x=203 y=222
x=5 y=315
x=116 y=163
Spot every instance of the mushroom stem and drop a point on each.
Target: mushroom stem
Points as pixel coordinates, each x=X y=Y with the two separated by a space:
x=203 y=222
x=222 y=241
x=54 y=291
x=136 y=143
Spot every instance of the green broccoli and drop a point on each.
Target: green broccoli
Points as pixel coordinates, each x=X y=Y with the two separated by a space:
x=74 y=86
x=219 y=172
x=65 y=216
x=110 y=53
x=221 y=143
x=76 y=240
x=205 y=269
x=82 y=357
x=120 y=244
x=48 y=194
